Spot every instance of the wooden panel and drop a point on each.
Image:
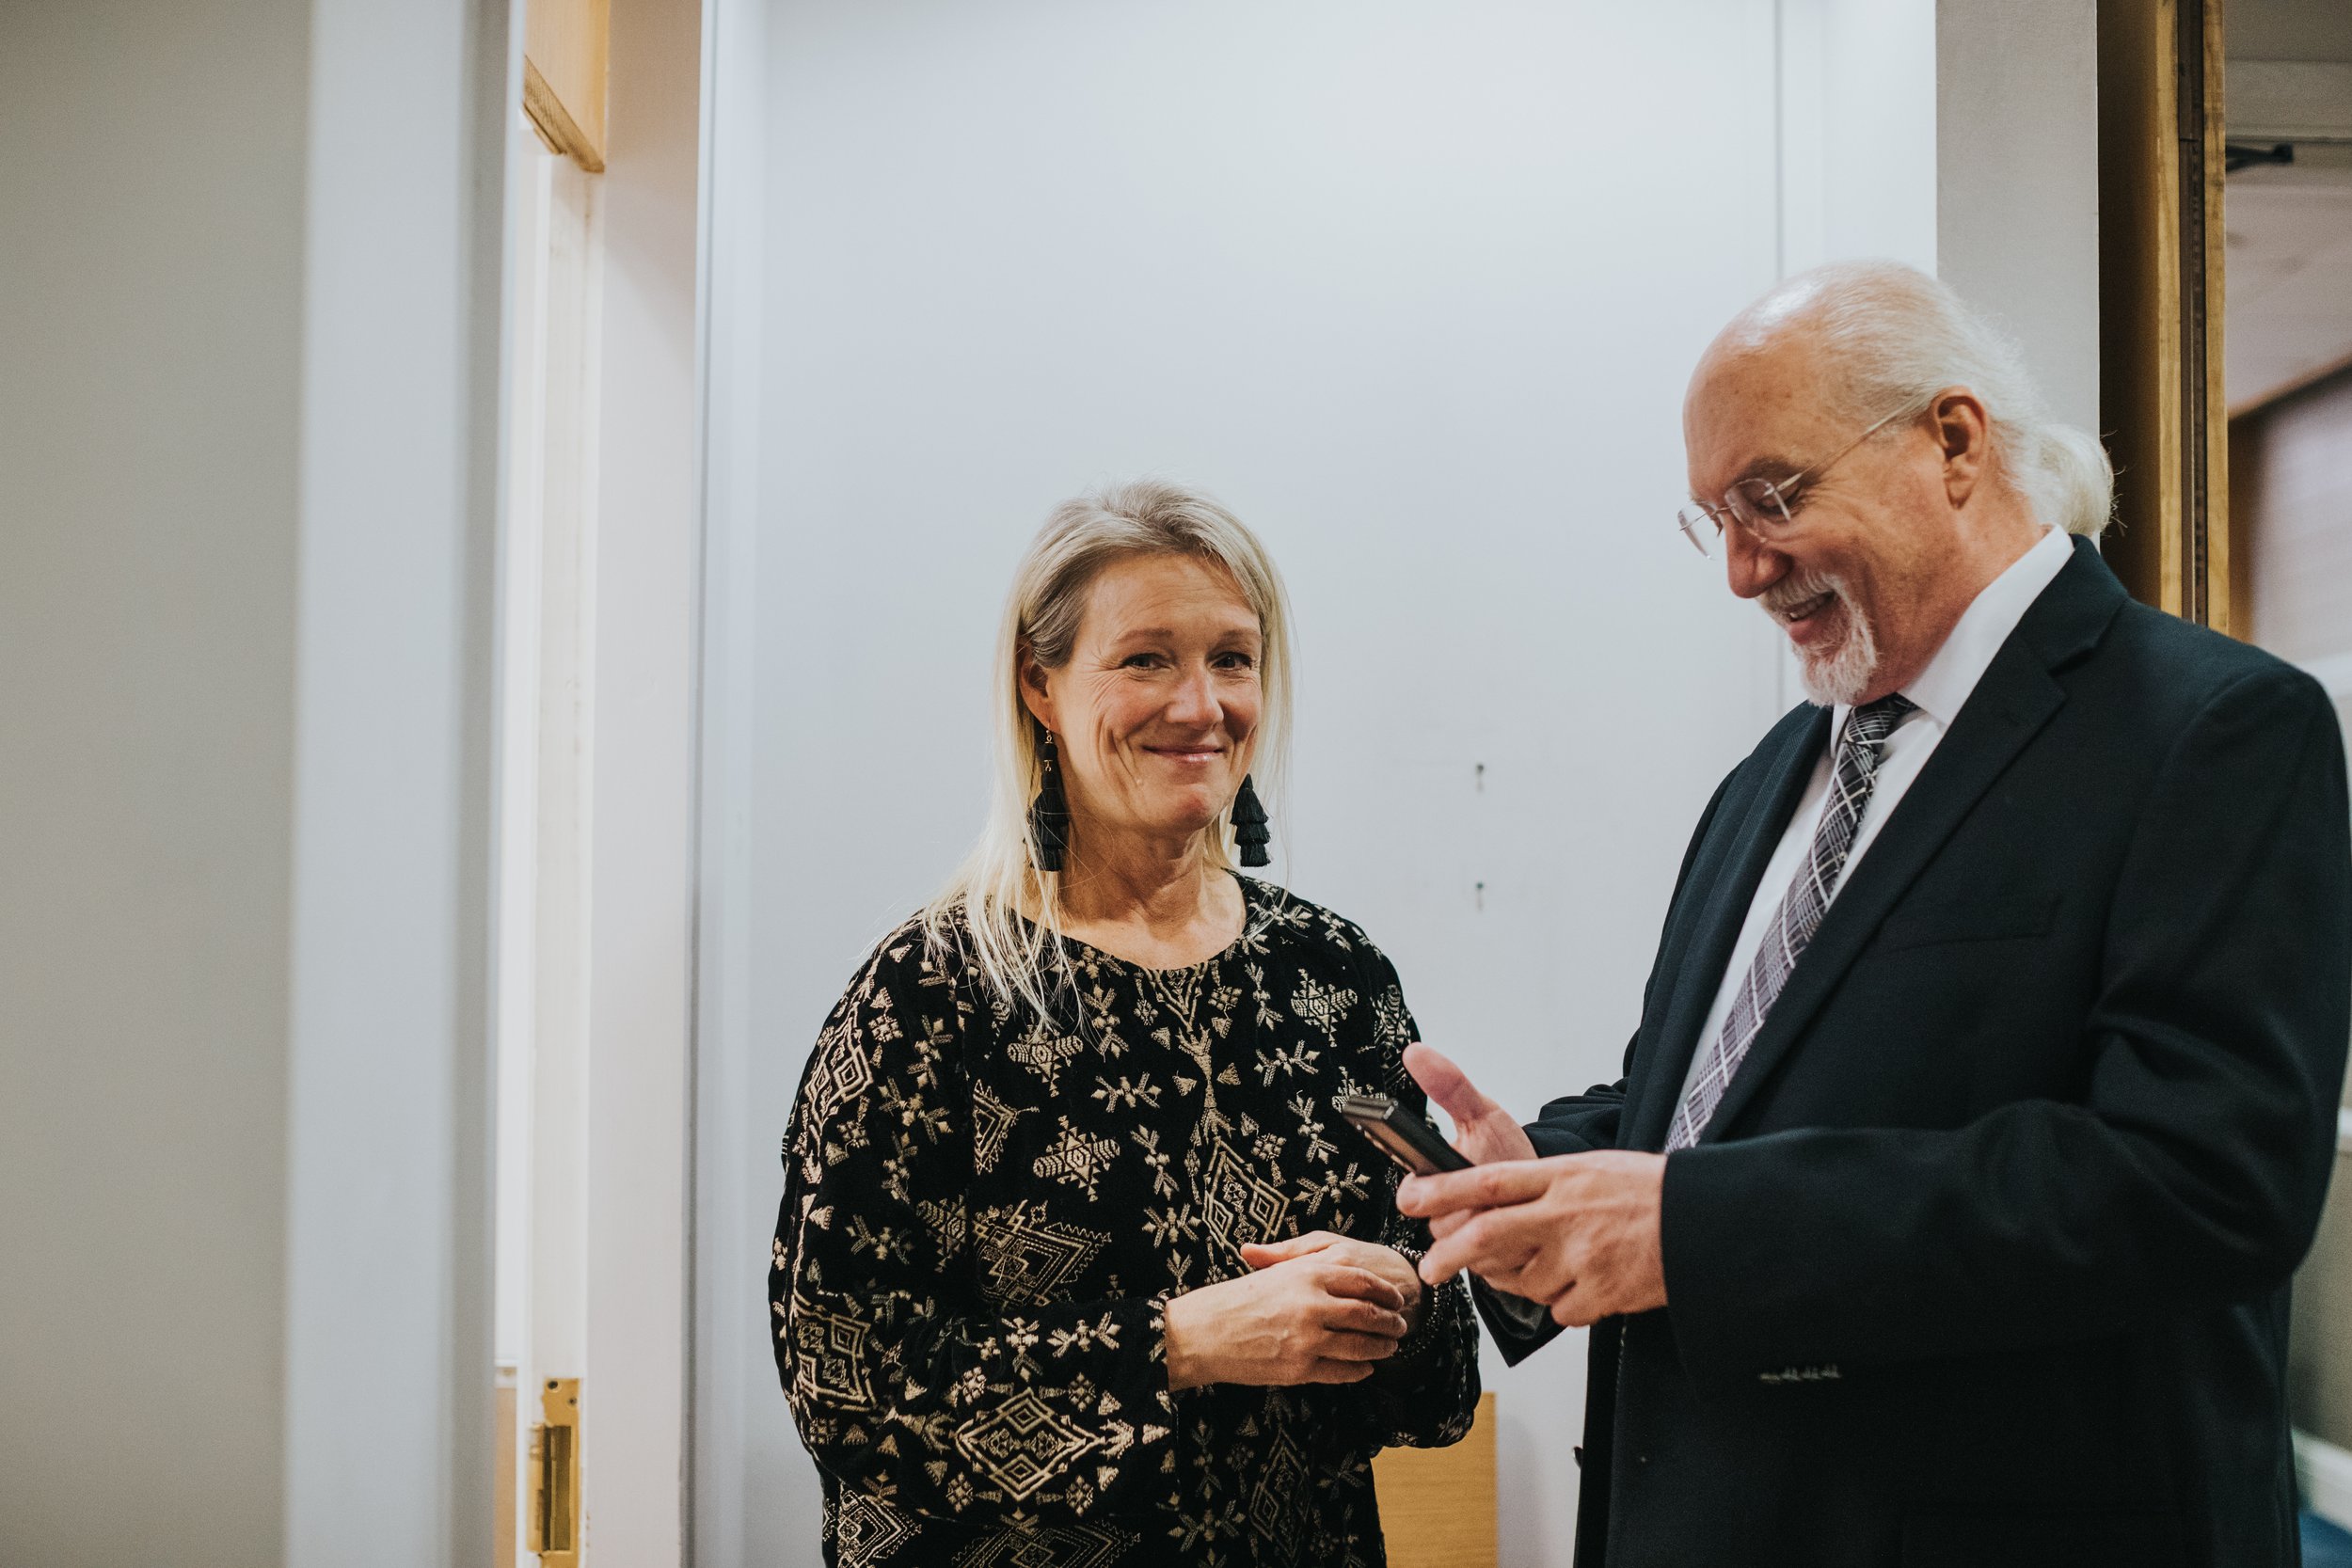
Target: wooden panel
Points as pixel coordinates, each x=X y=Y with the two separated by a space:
x=566 y=46
x=1438 y=1505
x=2160 y=277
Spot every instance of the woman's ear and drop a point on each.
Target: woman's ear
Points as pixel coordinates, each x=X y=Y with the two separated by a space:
x=1034 y=695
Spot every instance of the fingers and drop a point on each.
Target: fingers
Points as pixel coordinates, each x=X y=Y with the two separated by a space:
x=1480 y=1187
x=1259 y=1255
x=1499 y=1243
x=1446 y=1084
x=1360 y=1285
x=1363 y=1317
x=1339 y=1371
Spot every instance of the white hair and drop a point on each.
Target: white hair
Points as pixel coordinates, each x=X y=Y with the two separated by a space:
x=1896 y=338
x=1010 y=911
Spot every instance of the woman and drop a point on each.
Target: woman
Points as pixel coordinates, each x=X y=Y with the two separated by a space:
x=1076 y=1264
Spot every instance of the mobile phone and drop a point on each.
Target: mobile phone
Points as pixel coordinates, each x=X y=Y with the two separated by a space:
x=1403 y=1137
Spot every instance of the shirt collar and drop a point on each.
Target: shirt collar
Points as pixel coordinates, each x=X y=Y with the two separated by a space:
x=1951 y=676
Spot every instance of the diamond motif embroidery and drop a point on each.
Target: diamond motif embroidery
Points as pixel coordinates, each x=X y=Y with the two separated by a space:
x=1238 y=1204
x=1274 y=1503
x=991 y=1121
x=840 y=1075
x=1025 y=1257
x=1023 y=1443
x=1085 y=1546
x=869 y=1531
x=829 y=1361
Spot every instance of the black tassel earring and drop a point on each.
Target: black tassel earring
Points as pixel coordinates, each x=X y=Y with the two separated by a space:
x=1250 y=825
x=1049 y=814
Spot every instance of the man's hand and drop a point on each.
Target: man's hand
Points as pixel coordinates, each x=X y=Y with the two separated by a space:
x=1481 y=1129
x=1577 y=1232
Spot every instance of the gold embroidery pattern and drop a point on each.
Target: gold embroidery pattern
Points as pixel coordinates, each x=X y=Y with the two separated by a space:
x=991 y=1123
x=829 y=1356
x=1087 y=1546
x=1026 y=1256
x=1023 y=1443
x=866 y=1531
x=986 y=1203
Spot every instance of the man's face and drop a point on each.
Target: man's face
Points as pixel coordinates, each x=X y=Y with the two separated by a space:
x=1852 y=579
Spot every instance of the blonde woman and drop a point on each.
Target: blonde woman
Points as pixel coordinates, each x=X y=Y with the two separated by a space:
x=1076 y=1264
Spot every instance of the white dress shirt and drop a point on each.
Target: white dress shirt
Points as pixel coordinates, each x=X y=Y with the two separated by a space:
x=1940 y=691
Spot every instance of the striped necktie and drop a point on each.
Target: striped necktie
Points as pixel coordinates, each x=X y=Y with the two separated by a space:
x=1799 y=915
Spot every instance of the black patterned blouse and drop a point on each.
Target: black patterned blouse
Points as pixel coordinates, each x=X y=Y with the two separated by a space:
x=985 y=1208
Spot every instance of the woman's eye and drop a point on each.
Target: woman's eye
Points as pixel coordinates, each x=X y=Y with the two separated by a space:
x=1139 y=661
x=1235 y=662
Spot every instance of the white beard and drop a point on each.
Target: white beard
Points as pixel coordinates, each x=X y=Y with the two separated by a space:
x=1841 y=673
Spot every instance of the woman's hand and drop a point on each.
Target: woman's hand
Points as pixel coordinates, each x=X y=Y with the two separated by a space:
x=1307 y=1319
x=1387 y=1262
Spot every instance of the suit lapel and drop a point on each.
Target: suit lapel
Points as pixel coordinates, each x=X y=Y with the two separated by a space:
x=2009 y=708
x=1716 y=928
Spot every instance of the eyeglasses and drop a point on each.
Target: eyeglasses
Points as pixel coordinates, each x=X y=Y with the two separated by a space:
x=1762 y=507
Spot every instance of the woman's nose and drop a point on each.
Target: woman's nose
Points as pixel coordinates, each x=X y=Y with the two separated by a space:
x=1194 y=700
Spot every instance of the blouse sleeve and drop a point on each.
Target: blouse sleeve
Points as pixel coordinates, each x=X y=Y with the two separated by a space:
x=905 y=1380
x=1424 y=1396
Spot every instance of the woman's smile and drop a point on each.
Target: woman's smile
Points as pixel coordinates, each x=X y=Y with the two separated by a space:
x=1190 y=756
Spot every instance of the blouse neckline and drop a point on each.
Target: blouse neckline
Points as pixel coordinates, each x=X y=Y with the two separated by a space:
x=1252 y=916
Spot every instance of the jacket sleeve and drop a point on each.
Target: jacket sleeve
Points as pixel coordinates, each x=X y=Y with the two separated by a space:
x=906 y=1379
x=1425 y=1395
x=2189 y=1174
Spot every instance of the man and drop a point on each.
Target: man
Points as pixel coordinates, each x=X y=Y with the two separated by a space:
x=1984 y=1094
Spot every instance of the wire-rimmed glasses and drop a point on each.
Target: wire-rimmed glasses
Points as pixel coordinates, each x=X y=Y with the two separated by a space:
x=1763 y=506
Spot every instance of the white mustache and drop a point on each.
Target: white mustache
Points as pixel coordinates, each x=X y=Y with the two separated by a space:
x=1792 y=593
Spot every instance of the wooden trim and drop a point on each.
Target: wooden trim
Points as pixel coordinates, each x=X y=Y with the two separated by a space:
x=2160 y=263
x=1438 y=1505
x=555 y=124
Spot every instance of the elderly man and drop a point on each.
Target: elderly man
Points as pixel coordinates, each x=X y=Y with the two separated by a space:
x=1984 y=1094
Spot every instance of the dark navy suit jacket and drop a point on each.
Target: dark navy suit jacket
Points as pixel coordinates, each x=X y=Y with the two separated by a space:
x=1983 y=1259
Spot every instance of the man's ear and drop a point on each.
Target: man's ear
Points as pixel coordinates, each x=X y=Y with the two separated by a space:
x=1965 y=432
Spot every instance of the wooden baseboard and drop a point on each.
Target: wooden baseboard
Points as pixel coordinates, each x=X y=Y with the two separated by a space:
x=1438 y=1505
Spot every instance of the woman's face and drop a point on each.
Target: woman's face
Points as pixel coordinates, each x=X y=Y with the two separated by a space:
x=1155 y=711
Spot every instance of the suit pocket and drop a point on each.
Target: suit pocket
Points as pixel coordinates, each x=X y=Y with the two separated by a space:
x=2091 y=1540
x=2002 y=917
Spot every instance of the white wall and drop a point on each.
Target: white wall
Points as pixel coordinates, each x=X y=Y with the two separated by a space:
x=146 y=623
x=2017 y=181
x=247 y=464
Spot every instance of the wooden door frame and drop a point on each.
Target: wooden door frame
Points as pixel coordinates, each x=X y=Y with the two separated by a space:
x=2162 y=405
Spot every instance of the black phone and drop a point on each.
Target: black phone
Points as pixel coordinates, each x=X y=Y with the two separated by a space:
x=1403 y=1137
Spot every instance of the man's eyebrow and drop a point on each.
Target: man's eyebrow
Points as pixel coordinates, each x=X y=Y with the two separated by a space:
x=1766 y=467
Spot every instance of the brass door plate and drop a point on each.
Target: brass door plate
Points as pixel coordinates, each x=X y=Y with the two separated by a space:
x=555 y=1474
